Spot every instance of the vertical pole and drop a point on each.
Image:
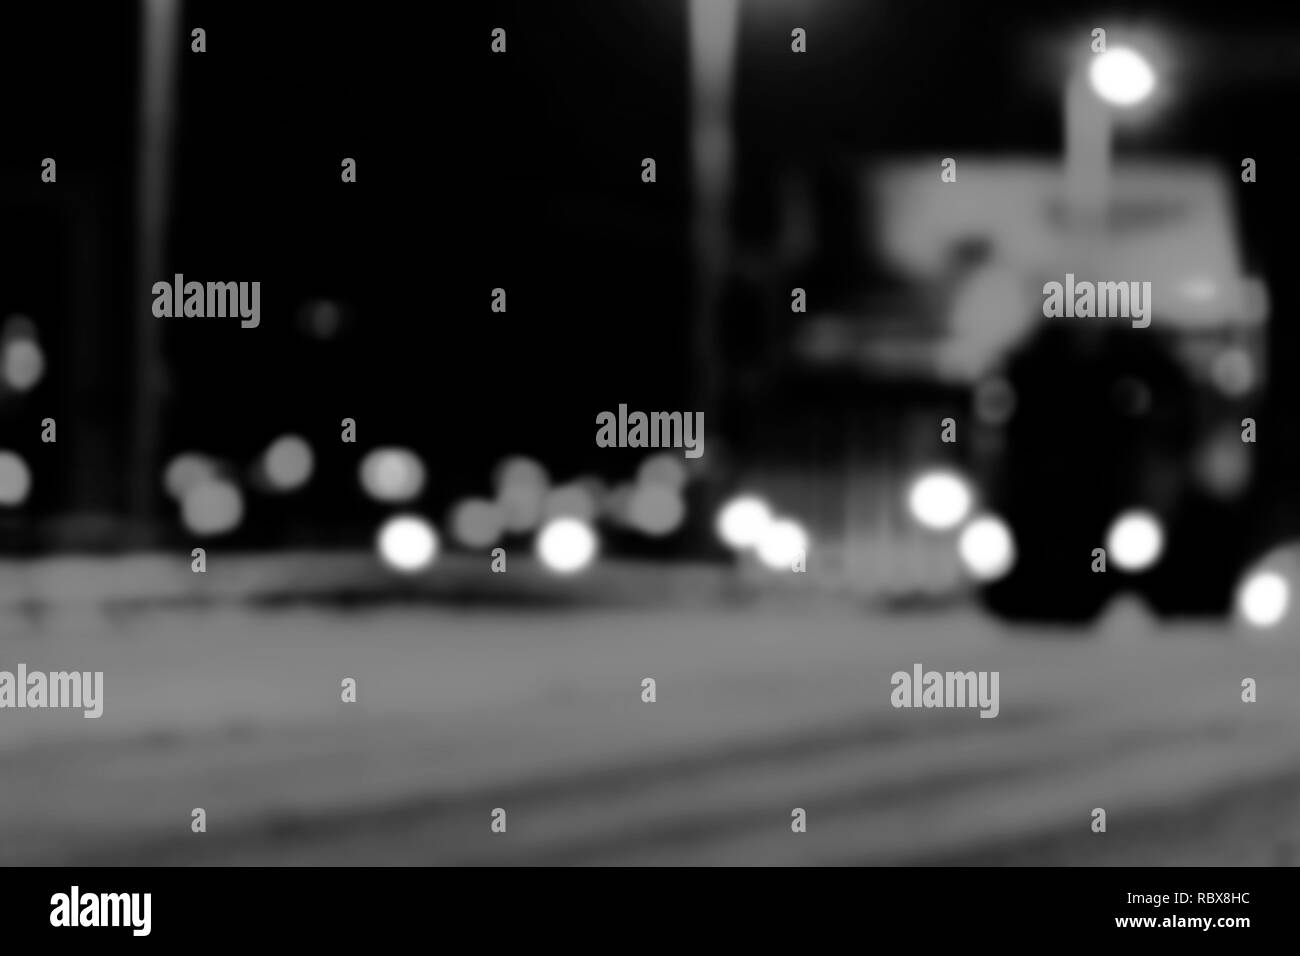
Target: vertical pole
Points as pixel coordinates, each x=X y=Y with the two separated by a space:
x=713 y=29
x=1088 y=136
x=159 y=40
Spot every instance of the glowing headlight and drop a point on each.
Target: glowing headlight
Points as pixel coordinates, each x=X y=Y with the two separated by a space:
x=987 y=548
x=1263 y=599
x=939 y=500
x=1135 y=541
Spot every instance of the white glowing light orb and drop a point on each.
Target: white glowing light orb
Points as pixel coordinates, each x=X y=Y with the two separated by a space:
x=24 y=364
x=477 y=523
x=781 y=542
x=1233 y=372
x=1121 y=76
x=187 y=470
x=987 y=548
x=213 y=506
x=566 y=545
x=392 y=474
x=288 y=463
x=742 y=521
x=665 y=468
x=523 y=506
x=656 y=510
x=521 y=486
x=15 y=479
x=1135 y=541
x=407 y=543
x=519 y=471
x=939 y=500
x=1264 y=598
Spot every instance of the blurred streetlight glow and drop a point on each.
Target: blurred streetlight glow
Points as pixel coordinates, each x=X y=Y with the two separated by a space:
x=1233 y=372
x=185 y=471
x=1135 y=541
x=1121 y=77
x=1264 y=598
x=743 y=520
x=212 y=506
x=15 y=479
x=987 y=548
x=656 y=510
x=664 y=468
x=392 y=474
x=939 y=500
x=23 y=364
x=477 y=522
x=407 y=543
x=782 y=541
x=566 y=545
x=521 y=488
x=288 y=463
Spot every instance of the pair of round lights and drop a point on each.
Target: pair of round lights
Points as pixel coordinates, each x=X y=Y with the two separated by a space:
x=942 y=500
x=1134 y=544
x=409 y=543
x=748 y=523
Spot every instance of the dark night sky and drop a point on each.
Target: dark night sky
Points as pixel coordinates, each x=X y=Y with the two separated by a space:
x=519 y=171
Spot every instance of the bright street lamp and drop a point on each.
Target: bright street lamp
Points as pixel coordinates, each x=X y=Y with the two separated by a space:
x=1121 y=77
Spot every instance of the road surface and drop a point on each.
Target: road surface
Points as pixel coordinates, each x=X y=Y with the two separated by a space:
x=763 y=706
